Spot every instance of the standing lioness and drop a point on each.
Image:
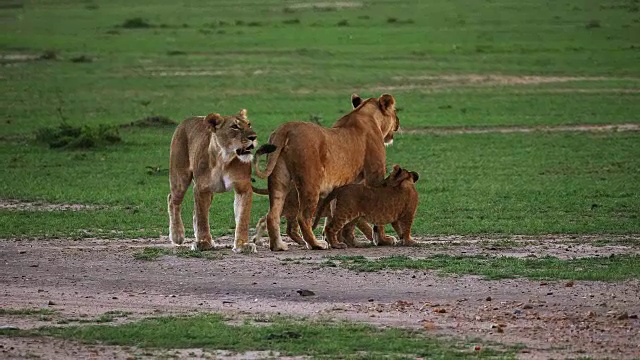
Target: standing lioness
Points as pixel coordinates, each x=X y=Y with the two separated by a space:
x=215 y=152
x=315 y=160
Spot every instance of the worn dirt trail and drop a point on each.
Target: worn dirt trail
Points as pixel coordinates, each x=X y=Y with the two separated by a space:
x=87 y=278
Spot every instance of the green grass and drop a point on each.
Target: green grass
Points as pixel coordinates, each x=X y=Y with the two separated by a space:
x=282 y=62
x=292 y=337
x=611 y=268
x=154 y=253
x=19 y=312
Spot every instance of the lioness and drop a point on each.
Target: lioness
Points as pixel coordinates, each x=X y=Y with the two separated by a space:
x=395 y=202
x=215 y=152
x=315 y=160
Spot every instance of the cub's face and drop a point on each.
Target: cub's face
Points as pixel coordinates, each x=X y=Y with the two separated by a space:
x=234 y=135
x=400 y=176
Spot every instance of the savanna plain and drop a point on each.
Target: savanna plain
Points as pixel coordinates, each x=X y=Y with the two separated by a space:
x=520 y=117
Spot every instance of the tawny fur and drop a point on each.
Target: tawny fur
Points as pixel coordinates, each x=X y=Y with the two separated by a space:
x=394 y=202
x=215 y=153
x=314 y=160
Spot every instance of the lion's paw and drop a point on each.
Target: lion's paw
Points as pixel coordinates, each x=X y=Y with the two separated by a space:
x=321 y=245
x=339 y=245
x=202 y=245
x=248 y=248
x=279 y=246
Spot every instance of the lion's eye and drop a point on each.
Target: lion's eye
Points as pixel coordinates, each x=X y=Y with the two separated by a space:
x=235 y=127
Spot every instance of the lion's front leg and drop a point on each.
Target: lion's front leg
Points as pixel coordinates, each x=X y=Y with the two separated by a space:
x=242 y=212
x=202 y=201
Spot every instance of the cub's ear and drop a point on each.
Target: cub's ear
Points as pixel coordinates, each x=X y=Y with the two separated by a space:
x=214 y=120
x=387 y=103
x=243 y=114
x=356 y=100
x=415 y=176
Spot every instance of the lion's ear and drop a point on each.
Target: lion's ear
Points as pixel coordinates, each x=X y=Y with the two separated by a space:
x=356 y=100
x=387 y=103
x=243 y=114
x=214 y=120
x=415 y=176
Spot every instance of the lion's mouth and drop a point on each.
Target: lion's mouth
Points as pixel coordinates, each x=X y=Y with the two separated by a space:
x=245 y=151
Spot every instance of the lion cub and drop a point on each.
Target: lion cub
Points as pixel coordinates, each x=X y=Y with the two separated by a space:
x=395 y=202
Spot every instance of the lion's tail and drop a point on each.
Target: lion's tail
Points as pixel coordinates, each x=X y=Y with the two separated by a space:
x=260 y=191
x=274 y=148
x=323 y=204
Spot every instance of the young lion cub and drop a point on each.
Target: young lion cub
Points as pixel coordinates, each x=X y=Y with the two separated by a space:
x=394 y=202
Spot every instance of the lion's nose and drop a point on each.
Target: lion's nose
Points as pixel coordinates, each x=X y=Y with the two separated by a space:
x=252 y=137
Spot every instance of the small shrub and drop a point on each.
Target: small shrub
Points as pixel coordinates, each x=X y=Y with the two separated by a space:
x=151 y=121
x=343 y=23
x=49 y=55
x=254 y=23
x=175 y=52
x=392 y=20
x=593 y=24
x=291 y=21
x=136 y=23
x=81 y=59
x=65 y=136
x=315 y=118
x=239 y=22
x=288 y=10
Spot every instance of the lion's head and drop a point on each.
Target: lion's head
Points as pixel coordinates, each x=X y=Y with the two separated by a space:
x=233 y=135
x=387 y=105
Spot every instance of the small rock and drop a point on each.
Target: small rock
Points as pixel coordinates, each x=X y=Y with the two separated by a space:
x=623 y=316
x=517 y=311
x=34 y=265
x=8 y=327
x=488 y=298
x=633 y=316
x=569 y=283
x=543 y=283
x=227 y=302
x=22 y=252
x=439 y=310
x=591 y=314
x=50 y=303
x=550 y=293
x=371 y=300
x=305 y=292
x=114 y=297
x=527 y=306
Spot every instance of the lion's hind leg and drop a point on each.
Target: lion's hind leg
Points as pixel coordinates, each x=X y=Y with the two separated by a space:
x=179 y=184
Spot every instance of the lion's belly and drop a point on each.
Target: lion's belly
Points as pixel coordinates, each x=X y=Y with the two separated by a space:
x=220 y=184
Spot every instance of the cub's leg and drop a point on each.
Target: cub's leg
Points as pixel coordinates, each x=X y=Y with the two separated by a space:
x=202 y=201
x=380 y=238
x=277 y=192
x=365 y=228
x=261 y=227
x=403 y=229
x=333 y=228
x=242 y=212
x=347 y=235
x=308 y=198
x=293 y=230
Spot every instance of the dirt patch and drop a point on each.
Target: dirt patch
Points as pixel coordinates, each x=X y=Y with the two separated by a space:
x=51 y=348
x=444 y=82
x=92 y=277
x=326 y=5
x=457 y=130
x=497 y=79
x=19 y=205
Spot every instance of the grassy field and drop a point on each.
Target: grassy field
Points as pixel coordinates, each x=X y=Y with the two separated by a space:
x=285 y=336
x=614 y=268
x=468 y=63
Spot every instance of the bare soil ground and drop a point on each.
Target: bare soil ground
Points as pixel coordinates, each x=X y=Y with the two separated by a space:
x=83 y=279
